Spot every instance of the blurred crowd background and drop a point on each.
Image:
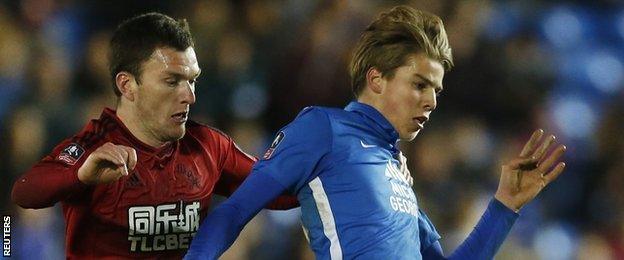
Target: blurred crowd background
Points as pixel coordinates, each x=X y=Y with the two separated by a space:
x=520 y=65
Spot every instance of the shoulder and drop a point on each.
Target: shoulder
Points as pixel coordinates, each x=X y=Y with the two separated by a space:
x=204 y=132
x=319 y=110
x=95 y=132
x=318 y=116
x=92 y=135
x=313 y=125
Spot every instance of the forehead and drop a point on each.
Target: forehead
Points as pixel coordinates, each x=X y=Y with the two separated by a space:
x=167 y=59
x=422 y=64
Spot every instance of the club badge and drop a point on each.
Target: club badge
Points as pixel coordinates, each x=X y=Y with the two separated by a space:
x=274 y=144
x=71 y=154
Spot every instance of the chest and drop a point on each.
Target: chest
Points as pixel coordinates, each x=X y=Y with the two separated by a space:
x=174 y=185
x=366 y=183
x=377 y=180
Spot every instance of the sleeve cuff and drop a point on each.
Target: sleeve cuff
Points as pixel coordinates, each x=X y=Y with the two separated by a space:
x=498 y=208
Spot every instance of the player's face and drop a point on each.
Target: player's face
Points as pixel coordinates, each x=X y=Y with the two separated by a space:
x=409 y=97
x=166 y=92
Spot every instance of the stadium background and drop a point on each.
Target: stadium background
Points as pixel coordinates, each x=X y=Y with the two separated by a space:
x=519 y=65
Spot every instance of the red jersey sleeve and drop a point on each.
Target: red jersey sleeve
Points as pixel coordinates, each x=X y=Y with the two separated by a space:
x=236 y=167
x=53 y=179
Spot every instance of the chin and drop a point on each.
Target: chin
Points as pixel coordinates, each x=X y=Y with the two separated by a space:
x=409 y=136
x=178 y=134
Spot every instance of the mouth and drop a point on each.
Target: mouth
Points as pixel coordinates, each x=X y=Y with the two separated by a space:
x=420 y=121
x=180 y=117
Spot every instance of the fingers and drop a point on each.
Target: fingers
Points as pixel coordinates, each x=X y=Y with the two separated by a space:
x=124 y=170
x=539 y=153
x=109 y=153
x=552 y=159
x=119 y=159
x=554 y=173
x=122 y=156
x=532 y=143
x=132 y=157
x=110 y=157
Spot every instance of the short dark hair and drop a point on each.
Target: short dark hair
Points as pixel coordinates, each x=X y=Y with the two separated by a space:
x=135 y=40
x=392 y=37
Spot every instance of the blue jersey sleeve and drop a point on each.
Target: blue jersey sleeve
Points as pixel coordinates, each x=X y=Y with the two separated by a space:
x=294 y=154
x=287 y=164
x=426 y=231
x=219 y=230
x=484 y=241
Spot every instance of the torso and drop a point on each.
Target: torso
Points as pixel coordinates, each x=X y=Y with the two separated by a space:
x=154 y=211
x=372 y=205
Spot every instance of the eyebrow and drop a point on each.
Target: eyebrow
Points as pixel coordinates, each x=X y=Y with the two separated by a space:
x=430 y=82
x=180 y=75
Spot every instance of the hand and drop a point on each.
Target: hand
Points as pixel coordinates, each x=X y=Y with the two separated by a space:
x=107 y=164
x=525 y=176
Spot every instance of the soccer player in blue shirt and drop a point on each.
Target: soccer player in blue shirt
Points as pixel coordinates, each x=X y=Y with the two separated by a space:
x=351 y=179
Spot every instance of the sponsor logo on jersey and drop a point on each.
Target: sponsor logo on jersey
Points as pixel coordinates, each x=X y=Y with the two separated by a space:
x=274 y=144
x=367 y=145
x=162 y=227
x=403 y=199
x=71 y=154
x=182 y=170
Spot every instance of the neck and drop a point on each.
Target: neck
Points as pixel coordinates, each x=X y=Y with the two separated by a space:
x=366 y=99
x=375 y=102
x=133 y=122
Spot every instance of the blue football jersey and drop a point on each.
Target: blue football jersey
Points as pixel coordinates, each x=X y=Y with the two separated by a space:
x=356 y=202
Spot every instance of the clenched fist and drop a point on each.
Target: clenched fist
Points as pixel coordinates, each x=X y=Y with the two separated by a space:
x=107 y=164
x=525 y=176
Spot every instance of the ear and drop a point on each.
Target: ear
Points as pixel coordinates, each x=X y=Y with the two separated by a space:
x=374 y=80
x=126 y=84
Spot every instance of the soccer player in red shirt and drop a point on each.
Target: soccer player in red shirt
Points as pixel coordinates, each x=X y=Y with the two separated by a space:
x=137 y=181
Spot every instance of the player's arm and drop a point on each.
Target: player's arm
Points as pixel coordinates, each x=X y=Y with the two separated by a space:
x=288 y=165
x=237 y=166
x=66 y=173
x=484 y=240
x=221 y=228
x=521 y=180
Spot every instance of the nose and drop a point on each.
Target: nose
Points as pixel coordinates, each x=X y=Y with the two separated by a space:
x=188 y=95
x=429 y=100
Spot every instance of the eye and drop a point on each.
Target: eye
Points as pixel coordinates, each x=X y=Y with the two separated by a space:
x=438 y=92
x=420 y=85
x=172 y=82
x=193 y=82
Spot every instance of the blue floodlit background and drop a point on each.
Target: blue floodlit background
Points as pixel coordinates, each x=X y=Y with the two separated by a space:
x=520 y=65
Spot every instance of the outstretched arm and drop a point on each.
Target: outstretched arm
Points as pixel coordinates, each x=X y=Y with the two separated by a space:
x=63 y=175
x=224 y=224
x=288 y=164
x=237 y=165
x=484 y=240
x=521 y=180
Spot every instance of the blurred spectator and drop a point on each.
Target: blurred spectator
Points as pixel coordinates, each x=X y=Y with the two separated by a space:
x=519 y=65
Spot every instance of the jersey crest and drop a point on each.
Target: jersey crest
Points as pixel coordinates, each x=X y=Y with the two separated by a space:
x=274 y=144
x=71 y=154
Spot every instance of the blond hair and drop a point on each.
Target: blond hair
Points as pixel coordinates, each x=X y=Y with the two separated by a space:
x=392 y=37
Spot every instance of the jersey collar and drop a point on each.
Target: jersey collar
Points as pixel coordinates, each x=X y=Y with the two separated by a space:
x=160 y=153
x=377 y=121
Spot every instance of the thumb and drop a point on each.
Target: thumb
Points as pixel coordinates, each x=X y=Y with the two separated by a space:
x=124 y=169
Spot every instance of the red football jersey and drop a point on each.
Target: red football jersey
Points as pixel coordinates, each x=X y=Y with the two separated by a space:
x=154 y=211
